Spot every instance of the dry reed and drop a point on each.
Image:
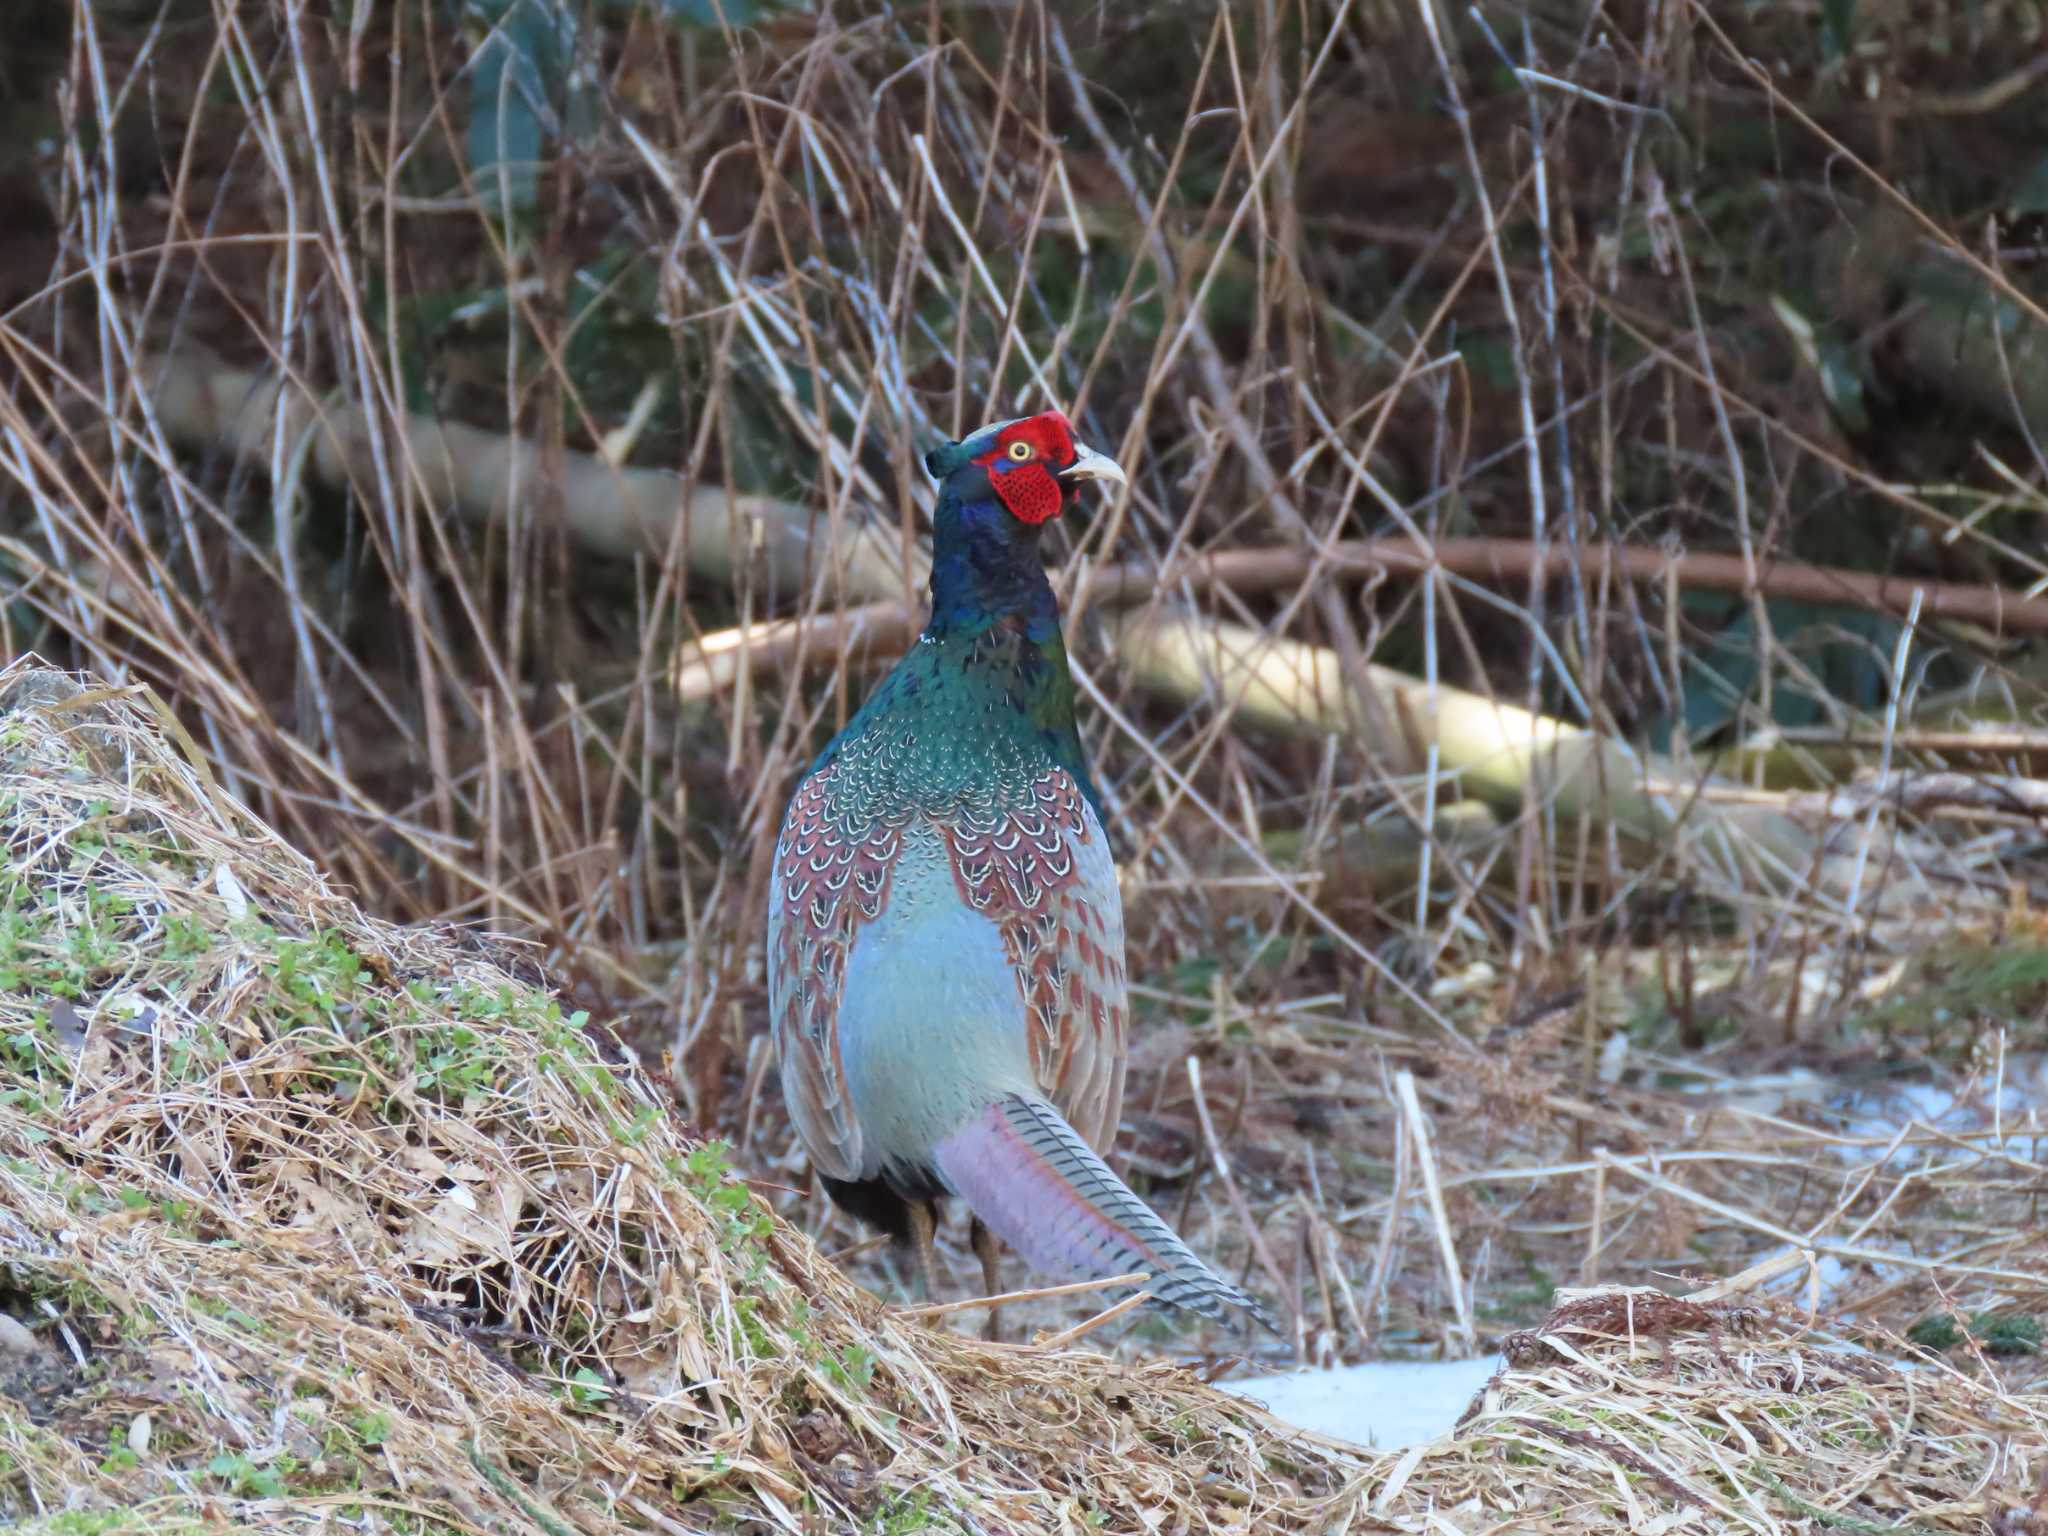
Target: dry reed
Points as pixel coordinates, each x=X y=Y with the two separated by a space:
x=315 y=1220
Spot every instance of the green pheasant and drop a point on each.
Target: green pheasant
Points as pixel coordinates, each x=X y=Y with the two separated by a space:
x=945 y=938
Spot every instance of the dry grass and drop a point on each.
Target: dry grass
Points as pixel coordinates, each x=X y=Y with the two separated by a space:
x=315 y=1219
x=781 y=258
x=355 y=1218
x=1629 y=294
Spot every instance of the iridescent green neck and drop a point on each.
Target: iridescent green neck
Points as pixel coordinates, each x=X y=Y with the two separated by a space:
x=984 y=701
x=986 y=571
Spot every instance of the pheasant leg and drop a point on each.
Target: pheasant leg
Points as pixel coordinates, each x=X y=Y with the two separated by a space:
x=989 y=1249
x=922 y=1259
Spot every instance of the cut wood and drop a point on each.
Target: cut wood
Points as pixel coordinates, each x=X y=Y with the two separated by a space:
x=613 y=510
x=1494 y=752
x=621 y=511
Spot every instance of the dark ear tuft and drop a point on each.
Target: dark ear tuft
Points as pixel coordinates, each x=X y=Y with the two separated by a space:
x=943 y=460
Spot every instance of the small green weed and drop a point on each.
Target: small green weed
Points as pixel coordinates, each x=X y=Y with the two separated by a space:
x=908 y=1514
x=588 y=1391
x=247 y=1479
x=185 y=938
x=743 y=1224
x=319 y=975
x=1996 y=1334
x=853 y=1367
x=120 y=1459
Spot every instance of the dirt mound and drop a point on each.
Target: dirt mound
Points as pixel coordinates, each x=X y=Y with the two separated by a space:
x=307 y=1219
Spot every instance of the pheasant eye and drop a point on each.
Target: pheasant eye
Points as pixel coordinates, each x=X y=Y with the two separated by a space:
x=1020 y=451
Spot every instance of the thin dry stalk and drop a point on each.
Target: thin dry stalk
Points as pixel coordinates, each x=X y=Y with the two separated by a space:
x=1005 y=1298
x=1440 y=1220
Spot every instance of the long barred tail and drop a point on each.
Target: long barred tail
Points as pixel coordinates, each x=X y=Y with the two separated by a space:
x=1033 y=1181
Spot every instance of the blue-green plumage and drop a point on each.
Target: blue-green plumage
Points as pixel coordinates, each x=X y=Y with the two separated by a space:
x=987 y=682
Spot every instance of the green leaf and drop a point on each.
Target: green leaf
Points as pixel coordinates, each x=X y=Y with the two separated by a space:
x=703 y=13
x=1936 y=1331
x=587 y=1389
x=2032 y=194
x=518 y=79
x=1837 y=29
x=2008 y=1335
x=1845 y=652
x=1833 y=361
x=1841 y=381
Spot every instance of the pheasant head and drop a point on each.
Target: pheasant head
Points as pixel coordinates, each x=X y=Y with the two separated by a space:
x=998 y=488
x=1032 y=466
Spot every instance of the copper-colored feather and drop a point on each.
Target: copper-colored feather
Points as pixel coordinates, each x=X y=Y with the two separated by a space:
x=1062 y=931
x=831 y=875
x=1065 y=937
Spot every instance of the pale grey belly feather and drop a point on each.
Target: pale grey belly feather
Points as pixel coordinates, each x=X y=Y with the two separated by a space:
x=931 y=1022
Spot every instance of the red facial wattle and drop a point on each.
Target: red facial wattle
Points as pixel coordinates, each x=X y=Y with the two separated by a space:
x=1028 y=486
x=1028 y=490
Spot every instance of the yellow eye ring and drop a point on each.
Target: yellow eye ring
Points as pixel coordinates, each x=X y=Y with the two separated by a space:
x=1019 y=452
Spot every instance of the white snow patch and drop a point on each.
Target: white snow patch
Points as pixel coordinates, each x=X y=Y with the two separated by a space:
x=1384 y=1404
x=1992 y=1116
x=2012 y=1108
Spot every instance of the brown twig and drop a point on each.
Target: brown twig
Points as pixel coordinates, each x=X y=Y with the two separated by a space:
x=1004 y=1298
x=1231 y=1192
x=705 y=667
x=1067 y=1336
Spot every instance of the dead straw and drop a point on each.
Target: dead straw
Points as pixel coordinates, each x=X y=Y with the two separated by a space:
x=428 y=1251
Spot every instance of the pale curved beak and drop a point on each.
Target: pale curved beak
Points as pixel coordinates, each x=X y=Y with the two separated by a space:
x=1090 y=465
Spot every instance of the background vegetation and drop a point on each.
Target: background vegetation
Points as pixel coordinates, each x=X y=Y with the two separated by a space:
x=1575 y=636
